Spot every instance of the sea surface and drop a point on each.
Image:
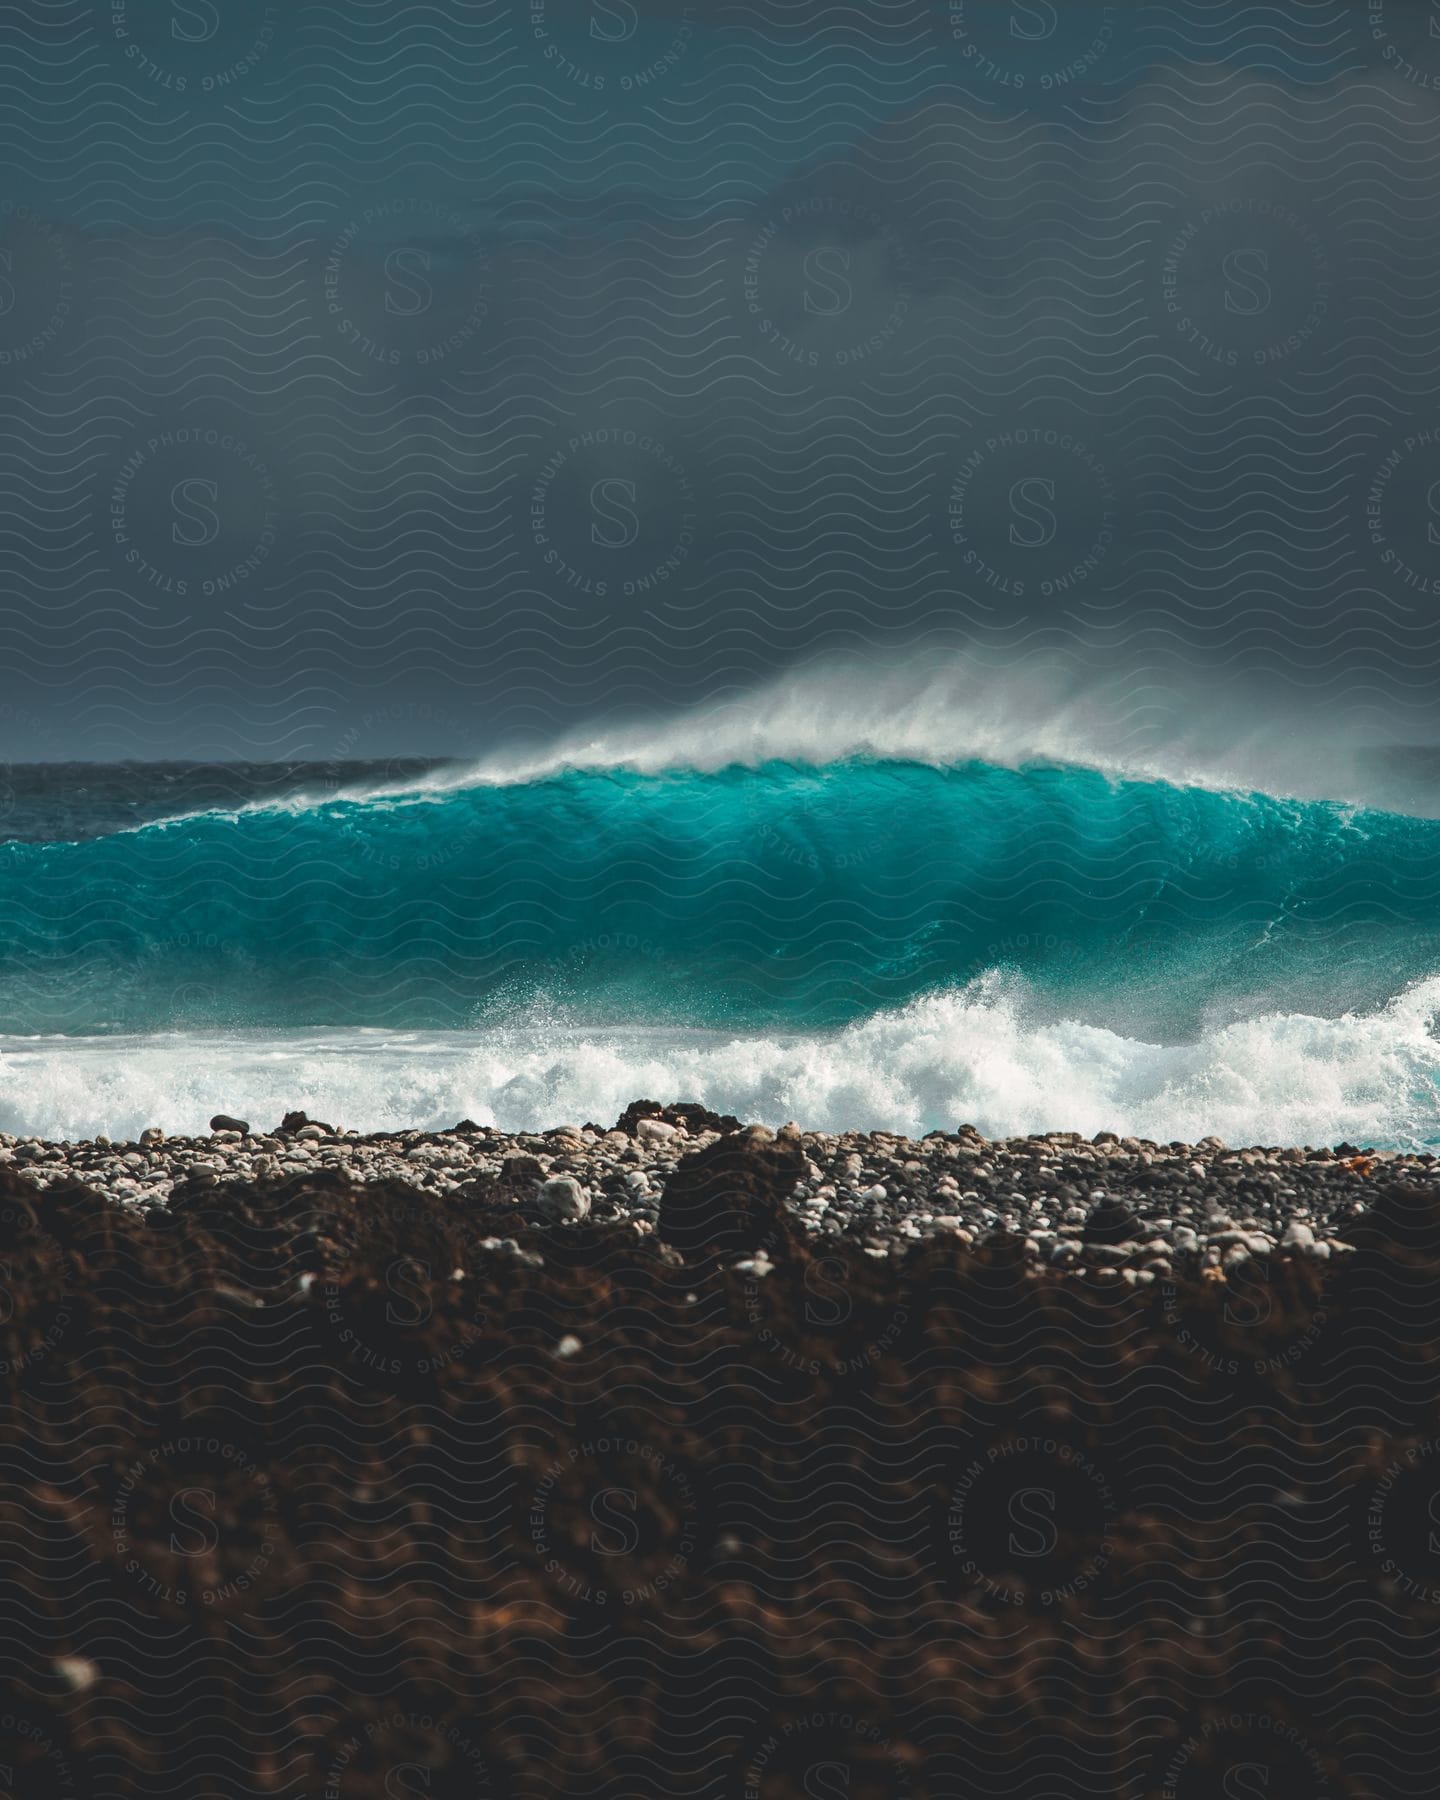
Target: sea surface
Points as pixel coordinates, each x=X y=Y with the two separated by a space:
x=853 y=936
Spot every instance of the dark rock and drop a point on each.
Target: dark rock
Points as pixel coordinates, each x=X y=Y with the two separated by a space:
x=695 y=1117
x=729 y=1195
x=223 y=1122
x=293 y=1121
x=634 y=1112
x=521 y=1171
x=1111 y=1222
x=1403 y=1216
x=688 y=1113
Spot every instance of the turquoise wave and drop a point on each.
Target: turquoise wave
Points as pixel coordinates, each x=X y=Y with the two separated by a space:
x=781 y=895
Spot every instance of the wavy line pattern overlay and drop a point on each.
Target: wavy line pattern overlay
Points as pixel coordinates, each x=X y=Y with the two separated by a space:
x=895 y=545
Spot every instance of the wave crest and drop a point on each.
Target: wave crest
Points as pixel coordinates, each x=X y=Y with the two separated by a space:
x=799 y=897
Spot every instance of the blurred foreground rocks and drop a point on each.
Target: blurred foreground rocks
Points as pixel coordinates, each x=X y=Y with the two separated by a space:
x=317 y=1487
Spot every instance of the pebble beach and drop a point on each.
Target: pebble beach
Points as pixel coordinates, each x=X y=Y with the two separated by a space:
x=1140 y=1208
x=526 y=1445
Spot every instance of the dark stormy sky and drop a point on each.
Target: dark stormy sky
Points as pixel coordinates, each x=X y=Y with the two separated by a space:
x=381 y=379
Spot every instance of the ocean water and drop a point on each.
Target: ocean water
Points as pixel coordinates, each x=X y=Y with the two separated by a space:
x=780 y=923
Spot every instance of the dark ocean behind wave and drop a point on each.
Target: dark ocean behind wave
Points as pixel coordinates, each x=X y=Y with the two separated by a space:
x=53 y=802
x=863 y=942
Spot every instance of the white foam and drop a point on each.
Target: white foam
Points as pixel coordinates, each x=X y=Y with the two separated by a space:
x=978 y=1055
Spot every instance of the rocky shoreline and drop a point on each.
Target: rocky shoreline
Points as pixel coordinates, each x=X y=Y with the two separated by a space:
x=1142 y=1209
x=679 y=1457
